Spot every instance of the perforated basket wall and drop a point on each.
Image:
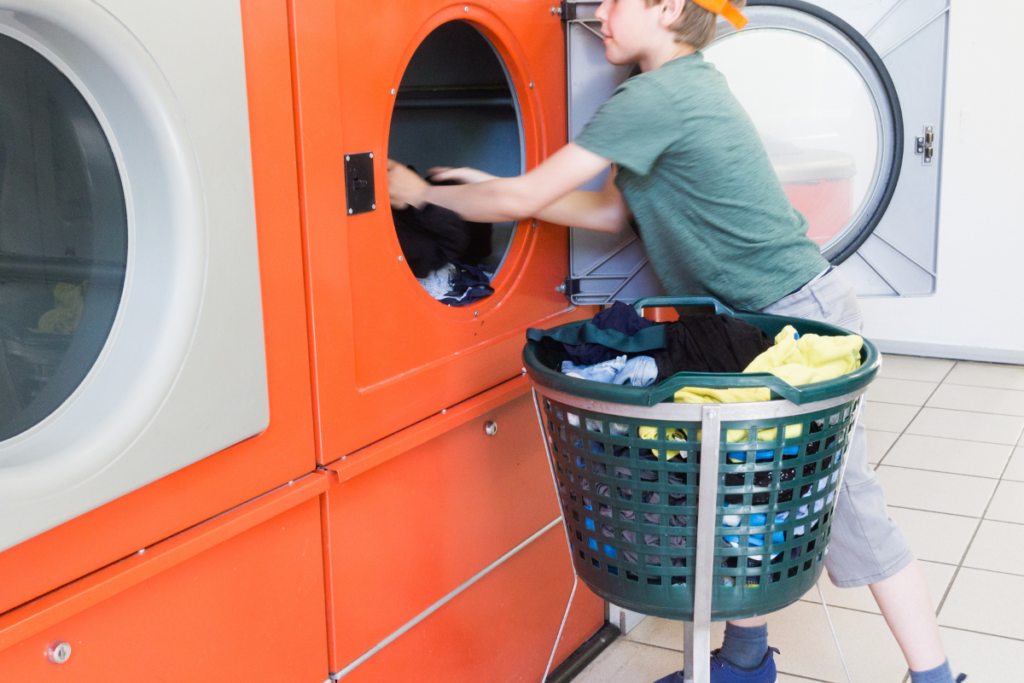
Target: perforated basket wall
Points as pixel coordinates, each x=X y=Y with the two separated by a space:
x=628 y=490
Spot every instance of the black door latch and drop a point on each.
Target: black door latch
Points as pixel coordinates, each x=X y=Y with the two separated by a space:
x=359 y=187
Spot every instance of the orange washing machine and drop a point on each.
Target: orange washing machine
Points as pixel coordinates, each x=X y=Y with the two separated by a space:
x=159 y=499
x=446 y=559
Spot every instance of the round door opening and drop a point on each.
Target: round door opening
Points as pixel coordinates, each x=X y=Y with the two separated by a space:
x=826 y=111
x=63 y=238
x=456 y=106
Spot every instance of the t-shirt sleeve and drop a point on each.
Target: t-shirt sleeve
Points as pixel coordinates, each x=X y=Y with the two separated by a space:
x=631 y=128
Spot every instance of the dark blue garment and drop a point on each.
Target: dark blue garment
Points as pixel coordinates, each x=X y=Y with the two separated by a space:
x=469 y=284
x=620 y=317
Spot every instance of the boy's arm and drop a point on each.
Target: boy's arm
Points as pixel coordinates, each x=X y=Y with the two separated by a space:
x=542 y=193
x=604 y=210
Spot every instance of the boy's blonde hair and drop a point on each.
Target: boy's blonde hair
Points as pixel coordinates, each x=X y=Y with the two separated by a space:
x=696 y=25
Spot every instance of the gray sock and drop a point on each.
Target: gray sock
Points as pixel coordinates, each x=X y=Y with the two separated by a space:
x=746 y=647
x=940 y=674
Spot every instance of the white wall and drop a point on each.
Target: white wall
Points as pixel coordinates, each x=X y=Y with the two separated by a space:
x=978 y=309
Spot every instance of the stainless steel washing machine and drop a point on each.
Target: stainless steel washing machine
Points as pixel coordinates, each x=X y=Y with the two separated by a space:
x=131 y=332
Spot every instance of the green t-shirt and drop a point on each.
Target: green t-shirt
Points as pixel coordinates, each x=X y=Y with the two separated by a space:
x=711 y=211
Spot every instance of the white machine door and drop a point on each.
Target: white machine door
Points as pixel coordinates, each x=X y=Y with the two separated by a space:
x=847 y=97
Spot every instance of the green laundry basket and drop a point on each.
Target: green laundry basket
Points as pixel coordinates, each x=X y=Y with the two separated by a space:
x=627 y=464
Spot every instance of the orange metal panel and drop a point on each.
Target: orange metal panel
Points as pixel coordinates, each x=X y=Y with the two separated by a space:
x=68 y=601
x=249 y=608
x=281 y=453
x=430 y=428
x=409 y=531
x=501 y=628
x=586 y=616
x=386 y=354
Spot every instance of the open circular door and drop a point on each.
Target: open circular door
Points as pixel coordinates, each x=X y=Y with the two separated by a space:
x=827 y=111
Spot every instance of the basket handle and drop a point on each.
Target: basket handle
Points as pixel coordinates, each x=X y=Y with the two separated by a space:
x=712 y=380
x=666 y=301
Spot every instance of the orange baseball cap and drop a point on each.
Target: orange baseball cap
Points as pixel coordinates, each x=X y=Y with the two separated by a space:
x=724 y=8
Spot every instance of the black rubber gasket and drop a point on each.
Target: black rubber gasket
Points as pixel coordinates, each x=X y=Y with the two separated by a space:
x=847 y=249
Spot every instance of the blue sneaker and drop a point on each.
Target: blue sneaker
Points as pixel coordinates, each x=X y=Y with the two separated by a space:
x=724 y=672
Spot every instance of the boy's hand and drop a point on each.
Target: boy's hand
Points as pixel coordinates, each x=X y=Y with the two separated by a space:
x=464 y=176
x=405 y=187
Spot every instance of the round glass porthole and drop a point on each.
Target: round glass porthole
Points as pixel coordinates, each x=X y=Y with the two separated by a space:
x=63 y=238
x=456 y=106
x=826 y=111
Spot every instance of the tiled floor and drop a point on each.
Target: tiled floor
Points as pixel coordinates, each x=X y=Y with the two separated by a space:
x=947 y=441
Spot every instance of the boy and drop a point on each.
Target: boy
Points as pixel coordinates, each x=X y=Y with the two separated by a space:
x=690 y=168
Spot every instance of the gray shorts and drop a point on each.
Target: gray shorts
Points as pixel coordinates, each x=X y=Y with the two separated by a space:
x=866 y=545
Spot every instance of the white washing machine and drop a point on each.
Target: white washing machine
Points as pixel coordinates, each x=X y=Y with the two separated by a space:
x=848 y=98
x=131 y=333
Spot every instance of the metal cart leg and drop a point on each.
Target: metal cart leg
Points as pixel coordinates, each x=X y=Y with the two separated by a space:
x=697 y=648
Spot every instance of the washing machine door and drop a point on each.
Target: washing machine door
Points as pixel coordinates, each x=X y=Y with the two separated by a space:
x=848 y=100
x=131 y=328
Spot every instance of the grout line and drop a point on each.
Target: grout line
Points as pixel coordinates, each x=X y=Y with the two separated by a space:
x=911 y=421
x=954 y=474
x=933 y=512
x=974 y=535
x=984 y=633
x=991 y=571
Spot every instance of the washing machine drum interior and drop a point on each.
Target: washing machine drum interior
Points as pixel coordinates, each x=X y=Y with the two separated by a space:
x=456 y=106
x=63 y=238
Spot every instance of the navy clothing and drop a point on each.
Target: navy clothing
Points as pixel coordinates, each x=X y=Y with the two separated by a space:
x=620 y=317
x=469 y=284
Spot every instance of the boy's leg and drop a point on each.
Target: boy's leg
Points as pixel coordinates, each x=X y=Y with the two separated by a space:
x=867 y=548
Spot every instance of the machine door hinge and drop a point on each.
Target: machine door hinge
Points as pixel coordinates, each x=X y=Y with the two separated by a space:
x=359 y=188
x=570 y=287
x=926 y=144
x=569 y=10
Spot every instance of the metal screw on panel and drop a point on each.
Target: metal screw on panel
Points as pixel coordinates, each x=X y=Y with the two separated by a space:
x=491 y=428
x=560 y=288
x=531 y=86
x=350 y=211
x=465 y=9
x=348 y=158
x=59 y=652
x=476 y=313
x=392 y=91
x=373 y=206
x=401 y=258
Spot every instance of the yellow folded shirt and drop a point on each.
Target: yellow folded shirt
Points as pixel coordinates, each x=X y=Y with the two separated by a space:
x=811 y=358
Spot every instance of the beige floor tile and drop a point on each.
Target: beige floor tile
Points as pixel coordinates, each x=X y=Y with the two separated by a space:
x=913 y=368
x=879 y=444
x=905 y=391
x=1015 y=470
x=933 y=536
x=957 y=424
x=801 y=632
x=998 y=547
x=629 y=662
x=949 y=455
x=986 y=602
x=937 y=575
x=987 y=375
x=982 y=657
x=888 y=417
x=785 y=678
x=935 y=491
x=978 y=400
x=668 y=633
x=1008 y=503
